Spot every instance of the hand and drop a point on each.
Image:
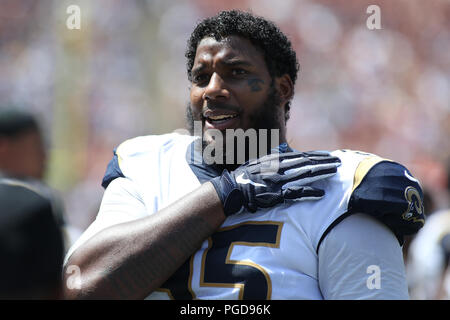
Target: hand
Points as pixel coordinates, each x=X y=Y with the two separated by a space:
x=269 y=180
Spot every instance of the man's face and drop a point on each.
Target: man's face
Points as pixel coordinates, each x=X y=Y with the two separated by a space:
x=232 y=88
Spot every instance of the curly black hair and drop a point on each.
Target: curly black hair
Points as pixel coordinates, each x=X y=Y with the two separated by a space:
x=278 y=54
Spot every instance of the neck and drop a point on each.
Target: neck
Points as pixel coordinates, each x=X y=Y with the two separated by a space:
x=239 y=159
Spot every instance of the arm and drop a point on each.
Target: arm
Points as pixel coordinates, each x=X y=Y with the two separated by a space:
x=354 y=254
x=132 y=259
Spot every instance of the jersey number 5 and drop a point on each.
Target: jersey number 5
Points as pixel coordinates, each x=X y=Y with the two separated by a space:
x=219 y=270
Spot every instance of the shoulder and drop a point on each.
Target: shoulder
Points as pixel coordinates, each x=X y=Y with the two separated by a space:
x=134 y=155
x=149 y=146
x=382 y=188
x=377 y=182
x=150 y=143
x=388 y=191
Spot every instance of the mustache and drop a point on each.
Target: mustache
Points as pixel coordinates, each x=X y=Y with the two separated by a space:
x=221 y=106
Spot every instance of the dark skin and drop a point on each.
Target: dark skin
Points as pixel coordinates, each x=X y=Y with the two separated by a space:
x=232 y=72
x=131 y=260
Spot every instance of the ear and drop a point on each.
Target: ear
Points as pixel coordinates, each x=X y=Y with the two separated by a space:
x=285 y=88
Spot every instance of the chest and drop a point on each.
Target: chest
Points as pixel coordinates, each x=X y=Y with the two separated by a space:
x=253 y=257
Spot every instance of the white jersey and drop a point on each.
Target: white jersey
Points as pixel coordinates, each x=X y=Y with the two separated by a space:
x=297 y=250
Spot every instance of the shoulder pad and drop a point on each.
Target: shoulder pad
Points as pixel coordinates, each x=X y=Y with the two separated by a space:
x=113 y=170
x=133 y=155
x=126 y=149
x=387 y=191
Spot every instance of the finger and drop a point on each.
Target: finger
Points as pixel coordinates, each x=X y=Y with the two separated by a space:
x=269 y=199
x=301 y=193
x=316 y=153
x=304 y=175
x=313 y=158
x=313 y=175
x=304 y=161
x=281 y=156
x=279 y=163
x=300 y=171
x=277 y=167
x=292 y=163
x=270 y=164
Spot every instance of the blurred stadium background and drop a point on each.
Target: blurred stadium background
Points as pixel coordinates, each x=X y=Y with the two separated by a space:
x=123 y=74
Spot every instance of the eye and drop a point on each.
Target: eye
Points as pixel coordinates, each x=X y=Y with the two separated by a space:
x=238 y=72
x=200 y=78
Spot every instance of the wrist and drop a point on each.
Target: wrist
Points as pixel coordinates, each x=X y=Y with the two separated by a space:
x=228 y=192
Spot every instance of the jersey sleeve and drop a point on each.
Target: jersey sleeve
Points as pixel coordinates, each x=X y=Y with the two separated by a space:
x=113 y=170
x=141 y=158
x=122 y=202
x=387 y=191
x=128 y=156
x=121 y=154
x=361 y=259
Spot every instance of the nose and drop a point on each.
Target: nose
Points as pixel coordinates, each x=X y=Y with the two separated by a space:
x=216 y=89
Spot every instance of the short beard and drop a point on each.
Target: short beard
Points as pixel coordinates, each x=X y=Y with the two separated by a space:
x=268 y=116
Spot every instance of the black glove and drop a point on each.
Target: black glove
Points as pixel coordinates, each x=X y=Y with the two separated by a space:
x=269 y=180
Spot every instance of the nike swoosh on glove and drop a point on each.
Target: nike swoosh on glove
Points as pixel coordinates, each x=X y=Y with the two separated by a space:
x=270 y=180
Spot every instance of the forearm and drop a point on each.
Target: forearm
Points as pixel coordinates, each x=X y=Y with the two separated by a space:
x=130 y=260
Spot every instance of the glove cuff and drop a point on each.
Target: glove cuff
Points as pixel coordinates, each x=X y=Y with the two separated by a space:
x=230 y=195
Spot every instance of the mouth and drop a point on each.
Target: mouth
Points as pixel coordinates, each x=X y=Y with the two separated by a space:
x=220 y=120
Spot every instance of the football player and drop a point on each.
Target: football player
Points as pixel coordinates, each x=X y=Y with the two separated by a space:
x=429 y=257
x=287 y=225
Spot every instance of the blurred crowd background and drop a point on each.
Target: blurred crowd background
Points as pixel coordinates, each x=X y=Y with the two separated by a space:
x=123 y=74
